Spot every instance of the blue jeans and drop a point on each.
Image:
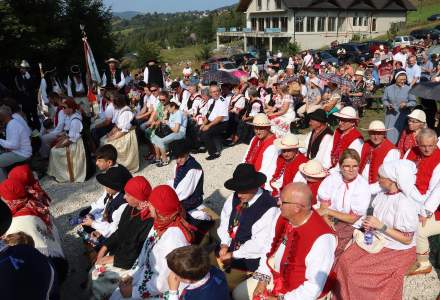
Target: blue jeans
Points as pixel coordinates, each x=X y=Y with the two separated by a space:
x=163 y=143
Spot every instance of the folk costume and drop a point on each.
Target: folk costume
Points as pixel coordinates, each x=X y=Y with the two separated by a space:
x=314 y=174
x=153 y=73
x=286 y=171
x=262 y=154
x=243 y=225
x=358 y=270
x=113 y=78
x=68 y=164
x=428 y=194
x=319 y=143
x=292 y=269
x=170 y=231
x=348 y=197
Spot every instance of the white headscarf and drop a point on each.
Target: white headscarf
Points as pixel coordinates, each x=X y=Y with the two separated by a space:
x=402 y=172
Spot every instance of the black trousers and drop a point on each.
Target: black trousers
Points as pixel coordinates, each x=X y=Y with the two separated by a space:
x=32 y=117
x=98 y=133
x=213 y=136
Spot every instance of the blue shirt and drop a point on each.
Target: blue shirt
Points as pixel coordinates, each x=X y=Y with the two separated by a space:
x=178 y=117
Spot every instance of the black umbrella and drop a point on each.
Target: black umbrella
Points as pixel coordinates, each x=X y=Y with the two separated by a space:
x=219 y=76
x=427 y=90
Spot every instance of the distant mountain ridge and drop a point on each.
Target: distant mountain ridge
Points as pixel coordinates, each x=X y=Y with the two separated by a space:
x=127 y=15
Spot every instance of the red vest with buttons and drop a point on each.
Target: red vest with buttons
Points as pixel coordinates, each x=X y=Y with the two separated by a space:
x=341 y=141
x=425 y=168
x=374 y=155
x=256 y=151
x=299 y=243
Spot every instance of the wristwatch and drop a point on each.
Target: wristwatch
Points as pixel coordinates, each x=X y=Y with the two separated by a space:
x=384 y=228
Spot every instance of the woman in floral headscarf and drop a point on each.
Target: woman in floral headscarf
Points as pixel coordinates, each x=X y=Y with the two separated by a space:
x=148 y=277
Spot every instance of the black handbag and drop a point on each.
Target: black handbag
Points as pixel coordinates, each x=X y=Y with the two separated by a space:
x=163 y=130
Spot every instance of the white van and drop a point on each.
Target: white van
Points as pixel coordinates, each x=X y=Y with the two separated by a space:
x=403 y=40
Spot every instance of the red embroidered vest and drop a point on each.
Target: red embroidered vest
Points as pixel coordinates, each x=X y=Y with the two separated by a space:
x=407 y=141
x=314 y=186
x=425 y=167
x=286 y=169
x=342 y=141
x=374 y=155
x=256 y=151
x=298 y=245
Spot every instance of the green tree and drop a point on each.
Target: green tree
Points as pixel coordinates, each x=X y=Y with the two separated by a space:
x=204 y=53
x=146 y=51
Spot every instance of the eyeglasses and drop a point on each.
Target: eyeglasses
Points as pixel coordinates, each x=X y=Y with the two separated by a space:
x=153 y=90
x=413 y=121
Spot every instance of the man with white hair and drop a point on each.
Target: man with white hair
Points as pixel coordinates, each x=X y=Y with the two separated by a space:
x=17 y=145
x=413 y=71
x=426 y=155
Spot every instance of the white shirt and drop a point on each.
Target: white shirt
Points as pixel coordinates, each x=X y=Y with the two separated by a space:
x=73 y=125
x=184 y=101
x=105 y=228
x=398 y=212
x=17 y=139
x=350 y=198
x=393 y=154
x=308 y=60
x=325 y=149
x=413 y=72
x=171 y=239
x=122 y=118
x=43 y=93
x=269 y=163
x=220 y=109
x=108 y=112
x=79 y=86
x=22 y=121
x=119 y=84
x=431 y=199
x=261 y=230
x=319 y=262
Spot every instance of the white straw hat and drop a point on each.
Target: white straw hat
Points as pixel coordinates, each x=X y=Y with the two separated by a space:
x=313 y=168
x=377 y=126
x=261 y=120
x=25 y=64
x=348 y=113
x=112 y=60
x=418 y=114
x=360 y=73
x=289 y=141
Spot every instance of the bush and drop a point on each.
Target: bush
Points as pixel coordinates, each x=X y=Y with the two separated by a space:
x=204 y=53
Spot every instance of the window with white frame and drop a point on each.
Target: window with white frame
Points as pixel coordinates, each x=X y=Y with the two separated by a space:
x=299 y=24
x=341 y=24
x=331 y=24
x=254 y=24
x=361 y=21
x=366 y=21
x=268 y=22
x=275 y=22
x=310 y=24
x=374 y=24
x=260 y=24
x=278 y=4
x=284 y=24
x=259 y=5
x=355 y=21
x=321 y=24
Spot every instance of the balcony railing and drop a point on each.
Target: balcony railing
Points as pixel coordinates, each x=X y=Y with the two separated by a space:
x=249 y=30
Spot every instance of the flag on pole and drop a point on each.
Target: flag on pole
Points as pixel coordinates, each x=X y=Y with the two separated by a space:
x=92 y=68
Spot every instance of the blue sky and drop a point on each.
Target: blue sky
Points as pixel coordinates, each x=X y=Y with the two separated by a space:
x=166 y=5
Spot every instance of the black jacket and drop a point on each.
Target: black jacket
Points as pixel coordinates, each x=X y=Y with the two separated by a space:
x=127 y=241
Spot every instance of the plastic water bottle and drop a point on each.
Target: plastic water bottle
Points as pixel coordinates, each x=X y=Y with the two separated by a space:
x=368 y=237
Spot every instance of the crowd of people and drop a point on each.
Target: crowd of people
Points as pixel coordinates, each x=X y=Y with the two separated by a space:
x=328 y=213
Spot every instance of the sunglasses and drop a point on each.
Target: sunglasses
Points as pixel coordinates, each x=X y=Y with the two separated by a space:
x=153 y=90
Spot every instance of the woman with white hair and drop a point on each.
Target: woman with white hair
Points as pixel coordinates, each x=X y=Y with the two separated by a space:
x=416 y=122
x=397 y=102
x=384 y=262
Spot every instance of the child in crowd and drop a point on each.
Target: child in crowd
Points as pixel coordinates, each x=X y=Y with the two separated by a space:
x=190 y=266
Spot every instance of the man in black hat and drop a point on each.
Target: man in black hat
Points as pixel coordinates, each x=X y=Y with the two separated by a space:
x=76 y=88
x=153 y=73
x=113 y=77
x=245 y=223
x=104 y=214
x=318 y=142
x=24 y=271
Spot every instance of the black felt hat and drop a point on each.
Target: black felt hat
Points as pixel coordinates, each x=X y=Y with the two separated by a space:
x=245 y=178
x=114 y=178
x=5 y=217
x=318 y=115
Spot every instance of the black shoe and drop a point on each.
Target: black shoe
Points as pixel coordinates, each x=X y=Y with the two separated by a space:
x=214 y=156
x=202 y=150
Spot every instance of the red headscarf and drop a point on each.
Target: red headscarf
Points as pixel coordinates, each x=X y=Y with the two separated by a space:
x=169 y=211
x=139 y=188
x=23 y=203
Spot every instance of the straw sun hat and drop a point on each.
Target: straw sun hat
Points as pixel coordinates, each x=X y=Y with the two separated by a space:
x=261 y=120
x=377 y=126
x=289 y=141
x=313 y=168
x=348 y=113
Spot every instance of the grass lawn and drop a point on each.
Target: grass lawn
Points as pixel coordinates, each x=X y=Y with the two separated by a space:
x=426 y=8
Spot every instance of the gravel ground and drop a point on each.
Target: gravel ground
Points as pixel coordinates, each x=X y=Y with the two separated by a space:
x=69 y=199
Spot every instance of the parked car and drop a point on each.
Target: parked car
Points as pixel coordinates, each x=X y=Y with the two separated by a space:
x=325 y=56
x=402 y=40
x=228 y=66
x=374 y=45
x=216 y=59
x=239 y=58
x=355 y=52
x=423 y=33
x=434 y=17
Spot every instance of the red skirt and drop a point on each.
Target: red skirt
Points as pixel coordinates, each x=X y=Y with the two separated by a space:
x=344 y=232
x=363 y=275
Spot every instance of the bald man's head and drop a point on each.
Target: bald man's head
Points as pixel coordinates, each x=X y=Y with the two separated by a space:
x=298 y=193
